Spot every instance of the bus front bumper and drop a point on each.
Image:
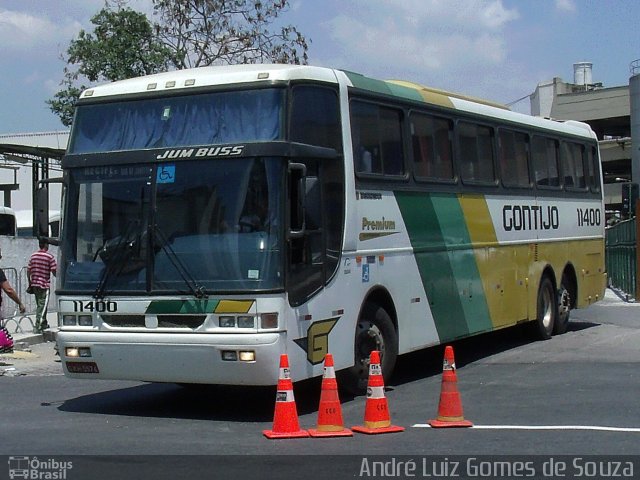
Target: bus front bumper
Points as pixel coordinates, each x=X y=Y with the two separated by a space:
x=171 y=357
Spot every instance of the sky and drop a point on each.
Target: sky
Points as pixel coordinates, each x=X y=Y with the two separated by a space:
x=494 y=49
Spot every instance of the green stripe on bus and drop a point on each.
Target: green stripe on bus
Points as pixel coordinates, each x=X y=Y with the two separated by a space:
x=386 y=88
x=463 y=262
x=365 y=83
x=406 y=92
x=159 y=307
x=449 y=274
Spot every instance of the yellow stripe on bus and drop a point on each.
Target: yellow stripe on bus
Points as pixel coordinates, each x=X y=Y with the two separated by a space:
x=234 y=306
x=502 y=269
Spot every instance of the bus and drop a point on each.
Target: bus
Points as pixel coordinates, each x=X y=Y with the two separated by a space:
x=25 y=223
x=8 y=225
x=216 y=218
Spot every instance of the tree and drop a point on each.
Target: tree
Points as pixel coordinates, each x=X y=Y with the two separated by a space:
x=211 y=32
x=123 y=45
x=189 y=33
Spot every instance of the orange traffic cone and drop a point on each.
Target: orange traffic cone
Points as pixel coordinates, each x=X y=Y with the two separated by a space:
x=376 y=413
x=330 y=422
x=450 y=408
x=285 y=417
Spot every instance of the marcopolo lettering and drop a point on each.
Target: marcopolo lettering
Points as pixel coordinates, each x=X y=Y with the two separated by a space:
x=228 y=151
x=530 y=217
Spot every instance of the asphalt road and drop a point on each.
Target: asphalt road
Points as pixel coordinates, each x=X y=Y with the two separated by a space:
x=574 y=395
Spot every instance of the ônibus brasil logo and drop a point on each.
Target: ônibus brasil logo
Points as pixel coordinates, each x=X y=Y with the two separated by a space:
x=33 y=468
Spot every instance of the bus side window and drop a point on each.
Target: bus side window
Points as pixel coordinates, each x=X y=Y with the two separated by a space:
x=364 y=126
x=544 y=156
x=432 y=152
x=476 y=152
x=571 y=159
x=593 y=170
x=315 y=117
x=377 y=139
x=512 y=154
x=391 y=144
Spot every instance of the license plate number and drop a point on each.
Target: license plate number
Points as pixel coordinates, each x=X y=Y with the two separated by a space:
x=82 y=367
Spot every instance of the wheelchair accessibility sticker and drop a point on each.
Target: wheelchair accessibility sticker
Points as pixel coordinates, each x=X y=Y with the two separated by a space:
x=365 y=273
x=166 y=174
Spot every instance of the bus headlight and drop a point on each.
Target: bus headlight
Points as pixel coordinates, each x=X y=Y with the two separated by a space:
x=246 y=321
x=75 y=352
x=71 y=352
x=227 y=321
x=85 y=320
x=229 y=356
x=248 y=356
x=69 y=320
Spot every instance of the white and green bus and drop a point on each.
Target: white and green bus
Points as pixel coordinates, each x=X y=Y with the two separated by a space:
x=216 y=218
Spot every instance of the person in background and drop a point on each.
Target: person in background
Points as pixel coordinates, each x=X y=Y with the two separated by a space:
x=8 y=289
x=41 y=265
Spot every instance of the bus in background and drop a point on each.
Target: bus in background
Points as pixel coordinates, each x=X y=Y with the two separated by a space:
x=8 y=225
x=216 y=218
x=25 y=223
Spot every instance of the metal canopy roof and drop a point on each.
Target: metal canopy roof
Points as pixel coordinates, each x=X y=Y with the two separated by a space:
x=10 y=149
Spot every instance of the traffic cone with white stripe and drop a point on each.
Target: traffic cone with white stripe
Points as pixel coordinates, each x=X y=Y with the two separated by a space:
x=285 y=417
x=330 y=422
x=450 y=407
x=376 y=414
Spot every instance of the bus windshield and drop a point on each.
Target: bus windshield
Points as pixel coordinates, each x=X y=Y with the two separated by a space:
x=204 y=119
x=197 y=225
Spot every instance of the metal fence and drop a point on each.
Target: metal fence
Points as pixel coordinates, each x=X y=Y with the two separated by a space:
x=621 y=251
x=15 y=321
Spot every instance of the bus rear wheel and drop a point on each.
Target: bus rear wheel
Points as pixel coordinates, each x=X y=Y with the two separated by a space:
x=547 y=309
x=564 y=310
x=374 y=331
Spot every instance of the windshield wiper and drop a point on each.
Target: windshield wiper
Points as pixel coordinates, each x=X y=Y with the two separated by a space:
x=197 y=290
x=116 y=261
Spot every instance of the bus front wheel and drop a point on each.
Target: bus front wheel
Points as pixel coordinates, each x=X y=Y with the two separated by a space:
x=547 y=309
x=374 y=331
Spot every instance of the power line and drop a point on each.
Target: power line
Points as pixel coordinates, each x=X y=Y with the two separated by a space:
x=518 y=100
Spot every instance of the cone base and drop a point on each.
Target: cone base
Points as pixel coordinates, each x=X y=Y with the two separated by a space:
x=345 y=432
x=297 y=434
x=373 y=431
x=450 y=423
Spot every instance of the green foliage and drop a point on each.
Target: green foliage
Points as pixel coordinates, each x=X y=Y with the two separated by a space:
x=189 y=33
x=123 y=45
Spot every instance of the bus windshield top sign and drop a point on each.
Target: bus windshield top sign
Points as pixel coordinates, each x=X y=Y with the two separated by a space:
x=228 y=151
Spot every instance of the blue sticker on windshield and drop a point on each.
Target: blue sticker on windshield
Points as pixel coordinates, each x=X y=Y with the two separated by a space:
x=166 y=174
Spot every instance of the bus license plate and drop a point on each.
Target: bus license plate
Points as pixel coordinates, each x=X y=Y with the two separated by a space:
x=82 y=367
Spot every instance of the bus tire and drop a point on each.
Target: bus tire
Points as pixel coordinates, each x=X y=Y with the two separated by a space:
x=546 y=310
x=374 y=331
x=564 y=309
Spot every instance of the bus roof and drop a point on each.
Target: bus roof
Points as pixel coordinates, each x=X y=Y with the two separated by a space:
x=7 y=210
x=183 y=80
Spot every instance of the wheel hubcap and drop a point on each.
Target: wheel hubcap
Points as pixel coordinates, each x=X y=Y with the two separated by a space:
x=564 y=304
x=368 y=338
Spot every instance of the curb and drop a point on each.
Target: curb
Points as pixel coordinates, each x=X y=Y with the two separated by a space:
x=28 y=339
